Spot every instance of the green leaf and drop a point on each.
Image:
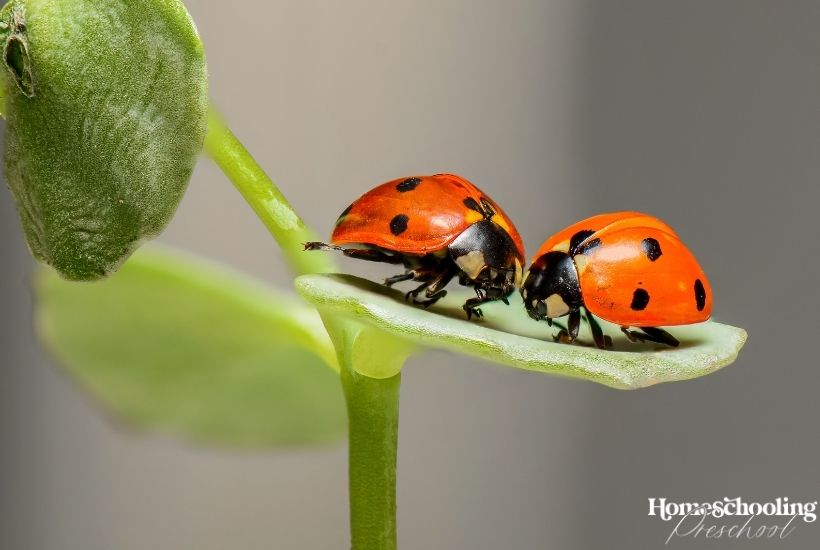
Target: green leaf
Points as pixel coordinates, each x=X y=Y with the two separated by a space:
x=508 y=336
x=180 y=346
x=106 y=108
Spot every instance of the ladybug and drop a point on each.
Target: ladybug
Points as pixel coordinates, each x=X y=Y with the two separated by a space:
x=628 y=268
x=438 y=227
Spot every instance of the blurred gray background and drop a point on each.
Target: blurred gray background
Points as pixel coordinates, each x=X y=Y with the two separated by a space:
x=704 y=113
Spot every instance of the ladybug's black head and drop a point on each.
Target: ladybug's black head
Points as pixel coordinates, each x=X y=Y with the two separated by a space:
x=551 y=288
x=488 y=258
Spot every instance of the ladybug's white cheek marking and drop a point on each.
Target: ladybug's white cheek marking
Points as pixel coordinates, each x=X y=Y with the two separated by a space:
x=471 y=263
x=556 y=306
x=518 y=273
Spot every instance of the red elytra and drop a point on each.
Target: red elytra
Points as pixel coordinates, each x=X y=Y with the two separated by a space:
x=439 y=227
x=435 y=210
x=628 y=268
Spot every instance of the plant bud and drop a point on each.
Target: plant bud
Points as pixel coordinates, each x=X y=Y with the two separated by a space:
x=106 y=108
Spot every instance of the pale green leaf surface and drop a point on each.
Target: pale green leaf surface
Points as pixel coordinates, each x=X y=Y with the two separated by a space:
x=508 y=336
x=181 y=346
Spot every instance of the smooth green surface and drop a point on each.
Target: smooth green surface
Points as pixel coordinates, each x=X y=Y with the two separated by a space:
x=259 y=191
x=509 y=337
x=373 y=416
x=181 y=346
x=379 y=354
x=373 y=420
x=106 y=111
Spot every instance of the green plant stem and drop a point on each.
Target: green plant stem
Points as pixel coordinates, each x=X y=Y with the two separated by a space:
x=372 y=403
x=373 y=427
x=269 y=204
x=373 y=415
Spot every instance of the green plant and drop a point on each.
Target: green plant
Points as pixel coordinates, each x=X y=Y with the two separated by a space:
x=99 y=151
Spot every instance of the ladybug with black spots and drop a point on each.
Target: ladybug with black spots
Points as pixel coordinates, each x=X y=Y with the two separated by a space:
x=628 y=268
x=438 y=227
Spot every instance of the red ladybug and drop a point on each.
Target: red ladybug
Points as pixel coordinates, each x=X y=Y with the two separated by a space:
x=438 y=227
x=628 y=268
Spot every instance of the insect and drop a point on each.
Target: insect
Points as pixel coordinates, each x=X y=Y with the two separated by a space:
x=628 y=268
x=439 y=227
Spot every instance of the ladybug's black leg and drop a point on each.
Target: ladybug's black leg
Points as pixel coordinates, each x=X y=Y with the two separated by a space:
x=601 y=341
x=390 y=281
x=631 y=335
x=651 y=334
x=484 y=294
x=470 y=308
x=573 y=324
x=433 y=298
x=435 y=291
x=568 y=334
x=368 y=254
x=563 y=334
x=482 y=297
x=416 y=291
x=655 y=334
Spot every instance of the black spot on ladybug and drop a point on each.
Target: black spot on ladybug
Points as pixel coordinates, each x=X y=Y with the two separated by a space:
x=700 y=295
x=487 y=208
x=640 y=299
x=408 y=185
x=652 y=248
x=472 y=204
x=589 y=245
x=577 y=239
x=398 y=224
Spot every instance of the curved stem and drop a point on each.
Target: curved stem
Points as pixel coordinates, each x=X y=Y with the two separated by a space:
x=372 y=403
x=269 y=204
x=373 y=415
